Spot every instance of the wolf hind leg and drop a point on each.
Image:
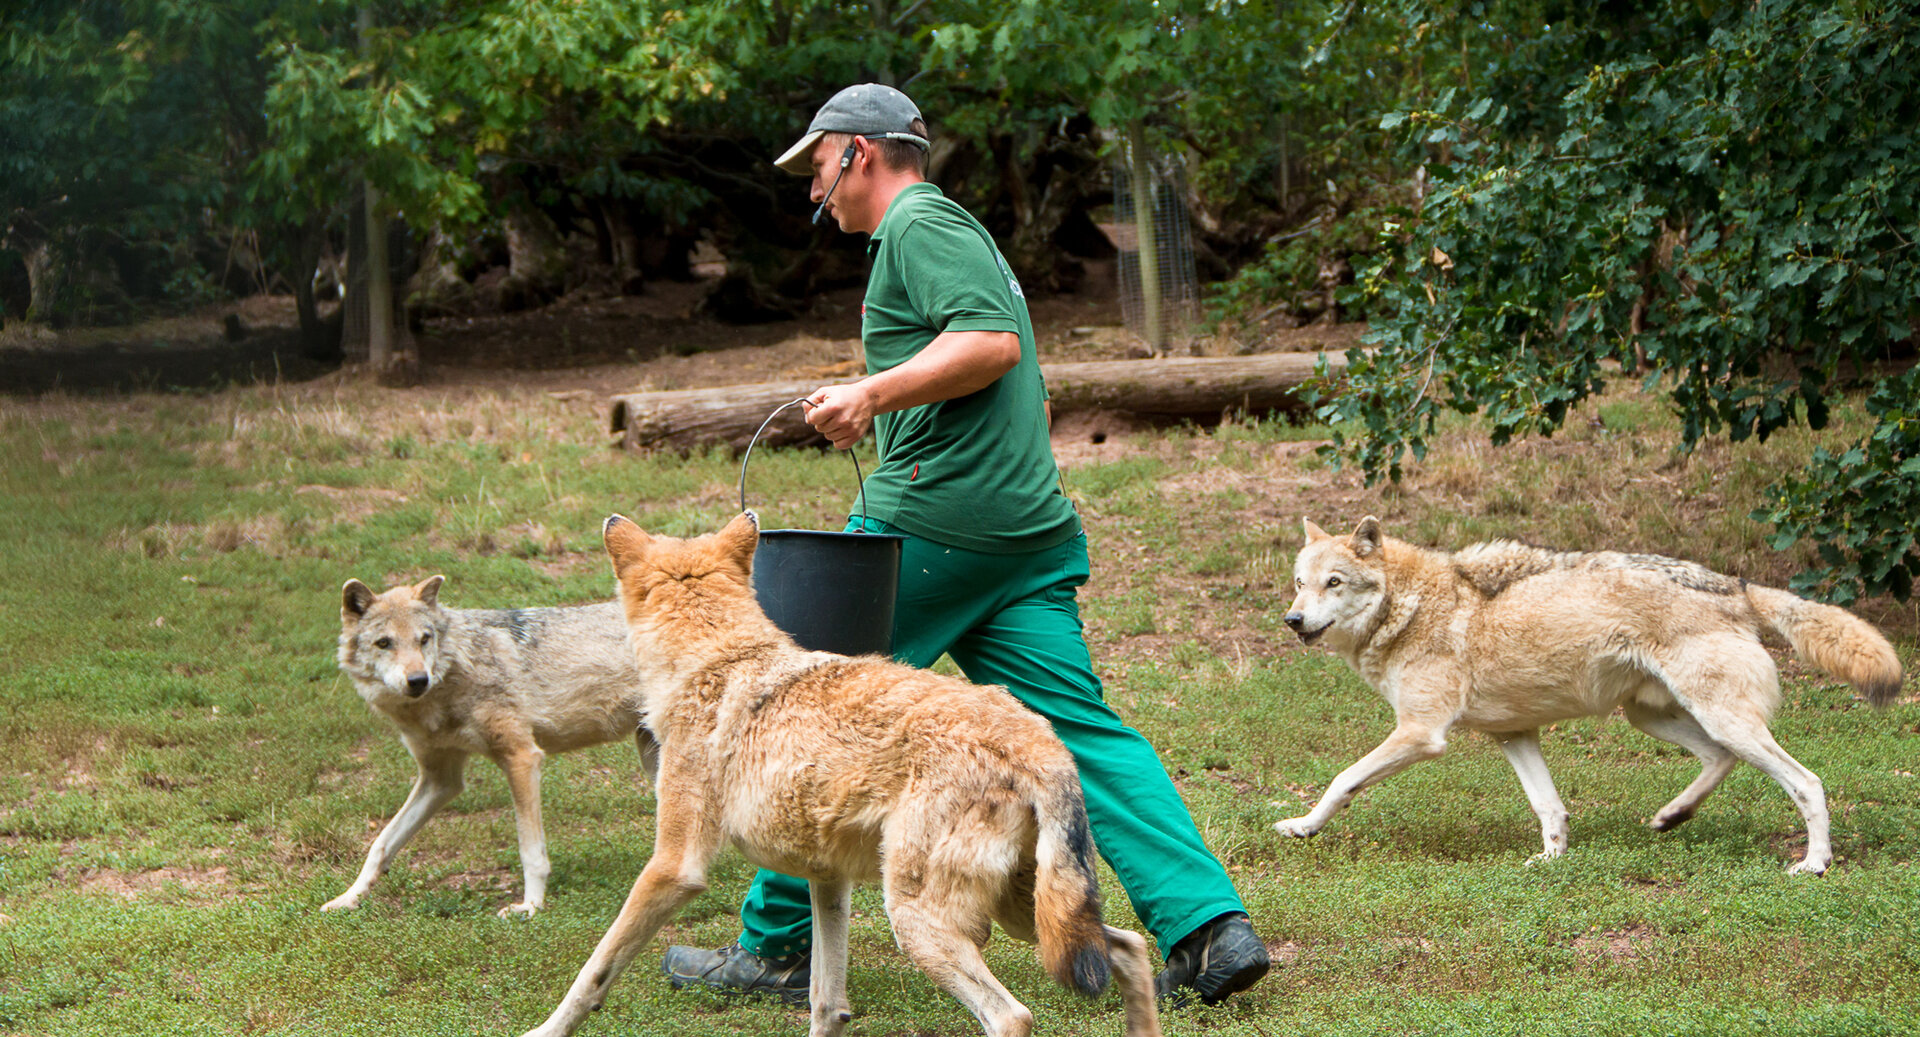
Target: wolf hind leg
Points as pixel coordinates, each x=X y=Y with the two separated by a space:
x=1132 y=968
x=1015 y=910
x=1683 y=730
x=1133 y=974
x=940 y=927
x=832 y=901
x=1730 y=686
x=1752 y=742
x=1523 y=752
x=521 y=760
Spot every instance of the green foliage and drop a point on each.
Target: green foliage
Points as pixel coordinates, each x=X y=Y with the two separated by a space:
x=428 y=100
x=1858 y=505
x=114 y=120
x=1291 y=273
x=458 y=111
x=1332 y=169
x=1718 y=202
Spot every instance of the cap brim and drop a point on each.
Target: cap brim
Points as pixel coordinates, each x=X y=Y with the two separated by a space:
x=798 y=159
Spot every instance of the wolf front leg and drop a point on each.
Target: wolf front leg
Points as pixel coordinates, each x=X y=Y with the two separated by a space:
x=1406 y=746
x=686 y=842
x=441 y=778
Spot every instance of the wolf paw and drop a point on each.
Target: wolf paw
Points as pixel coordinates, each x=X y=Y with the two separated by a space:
x=1296 y=827
x=1544 y=855
x=1808 y=867
x=520 y=910
x=1667 y=820
x=343 y=902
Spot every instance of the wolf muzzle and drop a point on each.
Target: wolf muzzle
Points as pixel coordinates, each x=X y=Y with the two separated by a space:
x=1297 y=622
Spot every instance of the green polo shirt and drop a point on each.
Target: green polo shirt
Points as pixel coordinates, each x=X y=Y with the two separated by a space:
x=975 y=472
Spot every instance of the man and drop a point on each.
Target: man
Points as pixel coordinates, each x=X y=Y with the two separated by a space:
x=994 y=551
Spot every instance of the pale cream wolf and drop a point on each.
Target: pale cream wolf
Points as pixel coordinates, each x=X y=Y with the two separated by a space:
x=956 y=797
x=510 y=684
x=1504 y=638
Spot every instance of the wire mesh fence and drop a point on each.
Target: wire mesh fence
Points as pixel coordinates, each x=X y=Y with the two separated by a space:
x=1159 y=288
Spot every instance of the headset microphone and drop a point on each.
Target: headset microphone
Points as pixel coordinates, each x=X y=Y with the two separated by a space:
x=846 y=159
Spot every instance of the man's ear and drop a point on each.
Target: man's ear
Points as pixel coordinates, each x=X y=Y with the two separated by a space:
x=625 y=542
x=1366 y=536
x=1313 y=532
x=355 y=599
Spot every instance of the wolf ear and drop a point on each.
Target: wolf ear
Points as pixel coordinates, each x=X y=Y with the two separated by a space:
x=739 y=538
x=1313 y=532
x=355 y=599
x=1366 y=536
x=428 y=590
x=625 y=541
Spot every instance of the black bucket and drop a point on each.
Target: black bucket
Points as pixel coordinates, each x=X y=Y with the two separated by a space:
x=830 y=592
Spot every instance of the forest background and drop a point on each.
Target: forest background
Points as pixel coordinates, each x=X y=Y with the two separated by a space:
x=1523 y=198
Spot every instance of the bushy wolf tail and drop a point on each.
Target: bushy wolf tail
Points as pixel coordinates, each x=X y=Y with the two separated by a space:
x=1066 y=893
x=1834 y=640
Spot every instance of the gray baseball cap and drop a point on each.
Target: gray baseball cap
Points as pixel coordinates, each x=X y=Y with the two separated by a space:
x=869 y=110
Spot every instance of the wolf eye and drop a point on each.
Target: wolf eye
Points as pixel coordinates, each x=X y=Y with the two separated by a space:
x=385 y=642
x=428 y=636
x=1332 y=582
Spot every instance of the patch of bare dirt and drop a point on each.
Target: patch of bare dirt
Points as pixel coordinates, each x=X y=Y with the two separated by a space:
x=1094 y=437
x=1284 y=952
x=79 y=773
x=358 y=500
x=491 y=880
x=252 y=340
x=139 y=885
x=1632 y=943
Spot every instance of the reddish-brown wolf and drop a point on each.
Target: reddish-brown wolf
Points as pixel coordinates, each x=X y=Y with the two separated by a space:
x=957 y=798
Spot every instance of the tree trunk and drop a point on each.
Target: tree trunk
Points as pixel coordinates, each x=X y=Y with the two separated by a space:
x=370 y=323
x=43 y=280
x=1031 y=252
x=379 y=286
x=1148 y=241
x=436 y=288
x=536 y=260
x=623 y=248
x=355 y=322
x=1200 y=389
x=368 y=313
x=319 y=340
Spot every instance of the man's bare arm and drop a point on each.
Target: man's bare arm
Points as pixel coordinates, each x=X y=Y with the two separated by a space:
x=954 y=364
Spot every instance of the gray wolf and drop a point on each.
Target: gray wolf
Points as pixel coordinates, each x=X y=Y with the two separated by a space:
x=959 y=800
x=510 y=684
x=1504 y=638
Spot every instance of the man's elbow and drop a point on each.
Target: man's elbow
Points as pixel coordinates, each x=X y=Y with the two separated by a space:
x=1005 y=352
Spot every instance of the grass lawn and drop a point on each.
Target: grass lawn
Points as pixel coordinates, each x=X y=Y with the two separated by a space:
x=185 y=777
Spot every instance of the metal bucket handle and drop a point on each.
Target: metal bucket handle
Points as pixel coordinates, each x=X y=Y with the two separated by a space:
x=860 y=479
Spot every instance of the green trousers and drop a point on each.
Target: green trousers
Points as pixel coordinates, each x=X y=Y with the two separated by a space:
x=1013 y=620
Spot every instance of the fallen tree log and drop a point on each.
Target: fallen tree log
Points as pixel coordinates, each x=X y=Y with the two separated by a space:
x=1200 y=389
